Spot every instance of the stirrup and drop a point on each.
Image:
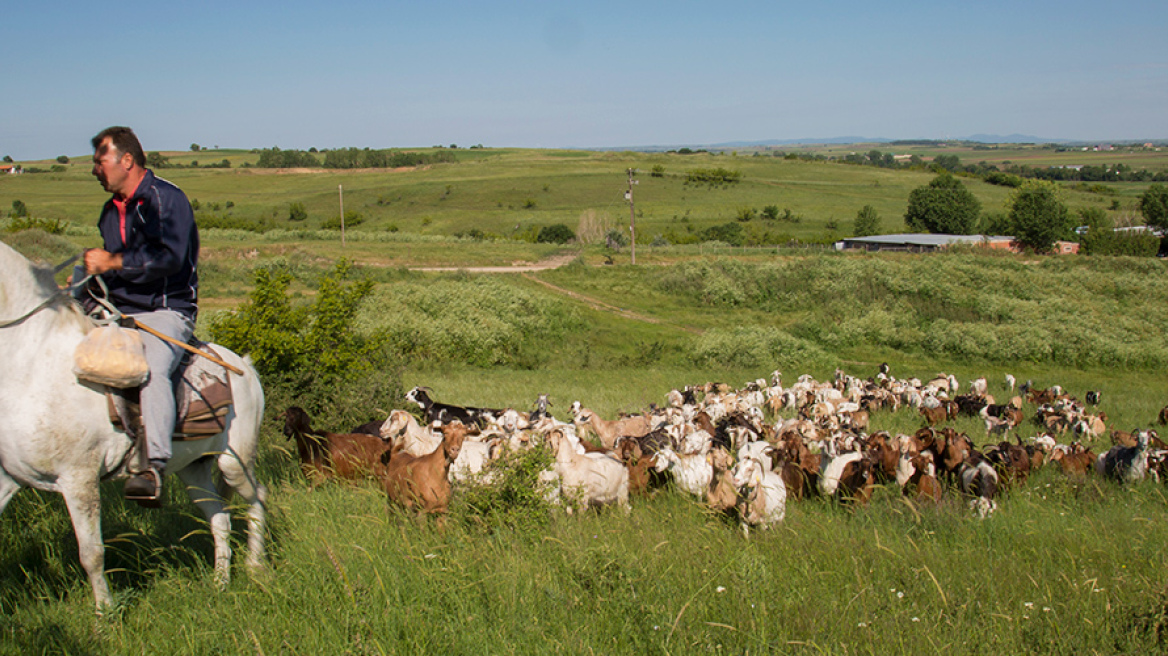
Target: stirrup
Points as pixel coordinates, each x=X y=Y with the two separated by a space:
x=138 y=488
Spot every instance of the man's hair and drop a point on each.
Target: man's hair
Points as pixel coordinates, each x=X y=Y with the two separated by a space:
x=124 y=140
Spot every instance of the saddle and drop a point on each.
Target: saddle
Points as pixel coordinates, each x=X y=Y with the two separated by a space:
x=202 y=398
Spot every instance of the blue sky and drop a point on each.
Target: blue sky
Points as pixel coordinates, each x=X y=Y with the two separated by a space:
x=298 y=74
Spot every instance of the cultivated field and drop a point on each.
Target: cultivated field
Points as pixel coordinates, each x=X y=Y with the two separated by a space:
x=1064 y=566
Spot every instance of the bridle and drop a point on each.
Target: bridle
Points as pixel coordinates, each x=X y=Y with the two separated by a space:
x=53 y=298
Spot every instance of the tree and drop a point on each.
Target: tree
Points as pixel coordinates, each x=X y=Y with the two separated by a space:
x=947 y=162
x=1097 y=228
x=867 y=222
x=195 y=148
x=156 y=160
x=942 y=206
x=19 y=209
x=61 y=159
x=8 y=159
x=1038 y=216
x=1154 y=206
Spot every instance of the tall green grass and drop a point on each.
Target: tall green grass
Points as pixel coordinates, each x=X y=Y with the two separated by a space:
x=1064 y=566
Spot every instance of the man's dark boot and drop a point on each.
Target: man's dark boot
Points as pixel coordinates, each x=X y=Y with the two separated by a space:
x=145 y=488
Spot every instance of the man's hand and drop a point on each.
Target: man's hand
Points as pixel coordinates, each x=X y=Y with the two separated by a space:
x=98 y=261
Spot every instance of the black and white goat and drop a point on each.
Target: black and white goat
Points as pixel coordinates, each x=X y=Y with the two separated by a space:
x=445 y=413
x=1126 y=464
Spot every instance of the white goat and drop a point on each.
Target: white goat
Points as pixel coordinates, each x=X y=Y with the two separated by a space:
x=402 y=428
x=591 y=478
x=691 y=471
x=762 y=495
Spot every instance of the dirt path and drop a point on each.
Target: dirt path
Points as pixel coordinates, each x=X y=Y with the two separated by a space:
x=553 y=262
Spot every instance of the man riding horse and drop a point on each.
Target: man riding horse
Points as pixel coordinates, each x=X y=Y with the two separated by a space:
x=149 y=263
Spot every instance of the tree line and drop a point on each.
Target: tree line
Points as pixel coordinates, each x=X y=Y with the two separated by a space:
x=350 y=158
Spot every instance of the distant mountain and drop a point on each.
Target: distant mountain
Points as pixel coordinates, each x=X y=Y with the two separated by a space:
x=1011 y=138
x=978 y=138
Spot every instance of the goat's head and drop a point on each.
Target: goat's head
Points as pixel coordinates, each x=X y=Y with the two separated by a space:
x=419 y=395
x=395 y=424
x=296 y=421
x=453 y=435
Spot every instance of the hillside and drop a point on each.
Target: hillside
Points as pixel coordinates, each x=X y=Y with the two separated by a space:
x=509 y=193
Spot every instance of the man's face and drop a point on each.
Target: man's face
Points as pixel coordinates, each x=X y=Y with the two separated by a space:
x=111 y=168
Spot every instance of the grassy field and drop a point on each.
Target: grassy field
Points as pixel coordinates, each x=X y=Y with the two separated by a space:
x=510 y=192
x=1065 y=566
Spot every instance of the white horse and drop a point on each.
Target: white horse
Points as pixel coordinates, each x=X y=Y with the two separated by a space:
x=55 y=432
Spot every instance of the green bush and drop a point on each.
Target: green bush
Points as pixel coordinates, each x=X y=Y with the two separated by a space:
x=311 y=355
x=555 y=234
x=352 y=219
x=480 y=322
x=281 y=337
x=1089 y=312
x=753 y=346
x=514 y=497
x=53 y=227
x=297 y=211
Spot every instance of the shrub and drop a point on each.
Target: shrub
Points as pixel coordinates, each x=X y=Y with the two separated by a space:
x=730 y=233
x=555 y=234
x=481 y=322
x=297 y=211
x=746 y=214
x=53 y=227
x=515 y=496
x=352 y=219
x=746 y=347
x=282 y=338
x=19 y=209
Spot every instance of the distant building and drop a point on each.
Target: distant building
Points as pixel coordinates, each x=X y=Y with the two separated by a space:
x=927 y=243
x=921 y=242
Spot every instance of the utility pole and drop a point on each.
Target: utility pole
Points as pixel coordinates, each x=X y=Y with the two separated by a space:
x=632 y=215
x=341 y=195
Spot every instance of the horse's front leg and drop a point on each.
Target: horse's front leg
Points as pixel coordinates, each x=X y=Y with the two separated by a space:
x=83 y=499
x=8 y=489
x=200 y=482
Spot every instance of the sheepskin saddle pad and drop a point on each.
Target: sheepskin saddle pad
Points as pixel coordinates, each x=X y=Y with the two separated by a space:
x=202 y=398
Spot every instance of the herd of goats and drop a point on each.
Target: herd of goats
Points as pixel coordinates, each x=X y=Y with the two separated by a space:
x=741 y=451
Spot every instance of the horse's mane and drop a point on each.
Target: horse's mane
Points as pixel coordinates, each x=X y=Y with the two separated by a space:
x=38 y=279
x=12 y=262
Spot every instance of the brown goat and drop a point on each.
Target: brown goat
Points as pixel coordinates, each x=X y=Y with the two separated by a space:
x=722 y=496
x=1078 y=462
x=421 y=482
x=324 y=455
x=642 y=475
x=934 y=416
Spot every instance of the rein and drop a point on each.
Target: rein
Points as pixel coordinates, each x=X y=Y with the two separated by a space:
x=60 y=293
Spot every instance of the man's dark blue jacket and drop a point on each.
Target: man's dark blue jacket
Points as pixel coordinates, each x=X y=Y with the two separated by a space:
x=160 y=254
